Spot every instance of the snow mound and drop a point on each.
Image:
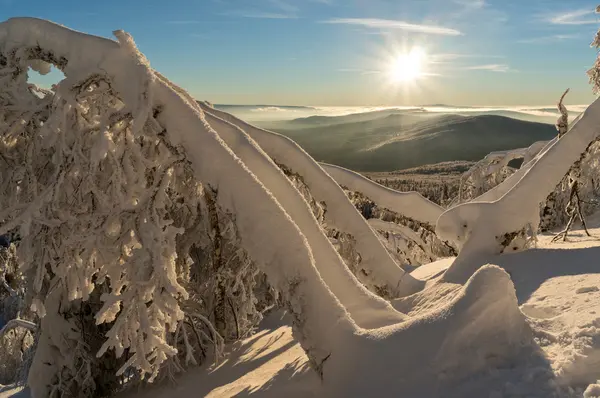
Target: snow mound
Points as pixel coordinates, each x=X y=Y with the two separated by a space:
x=480 y=329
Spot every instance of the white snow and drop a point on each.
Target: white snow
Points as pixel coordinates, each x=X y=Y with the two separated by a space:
x=565 y=324
x=380 y=268
x=490 y=167
x=525 y=324
x=408 y=204
x=476 y=227
x=367 y=309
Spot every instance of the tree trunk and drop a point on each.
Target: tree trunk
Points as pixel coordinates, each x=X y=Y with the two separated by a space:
x=219 y=311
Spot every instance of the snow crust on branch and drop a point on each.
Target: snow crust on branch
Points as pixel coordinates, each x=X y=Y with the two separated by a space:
x=410 y=204
x=378 y=268
x=366 y=309
x=492 y=170
x=110 y=93
x=478 y=227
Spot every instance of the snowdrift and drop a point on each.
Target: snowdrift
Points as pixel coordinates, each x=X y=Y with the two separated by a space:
x=481 y=328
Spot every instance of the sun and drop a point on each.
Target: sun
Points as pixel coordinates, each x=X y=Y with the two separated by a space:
x=408 y=67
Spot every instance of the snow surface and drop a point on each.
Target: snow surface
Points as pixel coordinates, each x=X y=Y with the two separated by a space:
x=566 y=326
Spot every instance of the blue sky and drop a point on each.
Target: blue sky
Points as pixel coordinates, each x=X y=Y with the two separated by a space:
x=338 y=52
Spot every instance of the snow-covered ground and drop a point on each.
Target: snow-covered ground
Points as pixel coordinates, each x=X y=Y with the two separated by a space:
x=558 y=288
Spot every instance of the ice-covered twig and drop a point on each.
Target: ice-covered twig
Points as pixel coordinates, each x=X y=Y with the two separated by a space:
x=18 y=323
x=562 y=124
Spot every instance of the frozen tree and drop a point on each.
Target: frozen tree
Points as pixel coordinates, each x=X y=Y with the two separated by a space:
x=493 y=221
x=493 y=170
x=573 y=207
x=103 y=200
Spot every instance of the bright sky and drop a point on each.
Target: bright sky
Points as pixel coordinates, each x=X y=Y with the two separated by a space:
x=340 y=52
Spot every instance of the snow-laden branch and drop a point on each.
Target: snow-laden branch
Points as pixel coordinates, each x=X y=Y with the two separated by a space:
x=378 y=268
x=18 y=323
x=126 y=128
x=408 y=204
x=488 y=172
x=478 y=227
x=366 y=309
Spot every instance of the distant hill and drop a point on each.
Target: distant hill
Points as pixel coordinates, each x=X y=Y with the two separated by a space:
x=451 y=167
x=313 y=121
x=384 y=141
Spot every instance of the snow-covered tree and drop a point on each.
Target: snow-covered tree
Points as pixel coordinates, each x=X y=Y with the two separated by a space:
x=106 y=204
x=129 y=196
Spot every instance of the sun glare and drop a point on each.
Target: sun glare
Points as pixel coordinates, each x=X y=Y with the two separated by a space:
x=408 y=67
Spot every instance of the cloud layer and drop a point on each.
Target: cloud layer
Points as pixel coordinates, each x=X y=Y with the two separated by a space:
x=578 y=17
x=376 y=23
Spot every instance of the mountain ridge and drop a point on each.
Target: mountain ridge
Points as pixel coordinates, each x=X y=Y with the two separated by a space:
x=404 y=140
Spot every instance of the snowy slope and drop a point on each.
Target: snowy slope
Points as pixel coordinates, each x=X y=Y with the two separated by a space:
x=558 y=288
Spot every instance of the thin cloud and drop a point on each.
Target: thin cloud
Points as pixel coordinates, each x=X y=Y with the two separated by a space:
x=183 y=22
x=259 y=15
x=267 y=15
x=284 y=6
x=578 y=17
x=501 y=68
x=454 y=56
x=548 y=39
x=471 y=4
x=376 y=23
x=360 y=71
